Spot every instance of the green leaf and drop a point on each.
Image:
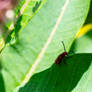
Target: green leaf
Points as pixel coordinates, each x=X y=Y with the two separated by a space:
x=83 y=46
x=16 y=11
x=28 y=10
x=24 y=11
x=68 y=77
x=39 y=45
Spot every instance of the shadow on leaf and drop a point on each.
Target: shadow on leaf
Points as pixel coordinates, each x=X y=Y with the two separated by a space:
x=60 y=78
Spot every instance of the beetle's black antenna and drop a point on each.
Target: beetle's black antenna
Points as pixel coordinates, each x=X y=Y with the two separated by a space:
x=64 y=46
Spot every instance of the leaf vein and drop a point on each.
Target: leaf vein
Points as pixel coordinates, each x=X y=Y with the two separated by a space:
x=47 y=43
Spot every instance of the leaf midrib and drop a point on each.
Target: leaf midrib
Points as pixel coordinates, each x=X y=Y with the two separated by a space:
x=41 y=54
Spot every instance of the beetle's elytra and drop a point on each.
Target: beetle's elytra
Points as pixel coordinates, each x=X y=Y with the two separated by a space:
x=61 y=56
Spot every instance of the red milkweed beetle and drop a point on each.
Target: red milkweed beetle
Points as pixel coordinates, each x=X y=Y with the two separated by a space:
x=61 y=56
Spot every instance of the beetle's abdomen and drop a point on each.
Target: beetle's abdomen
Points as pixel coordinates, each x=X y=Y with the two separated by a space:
x=60 y=57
